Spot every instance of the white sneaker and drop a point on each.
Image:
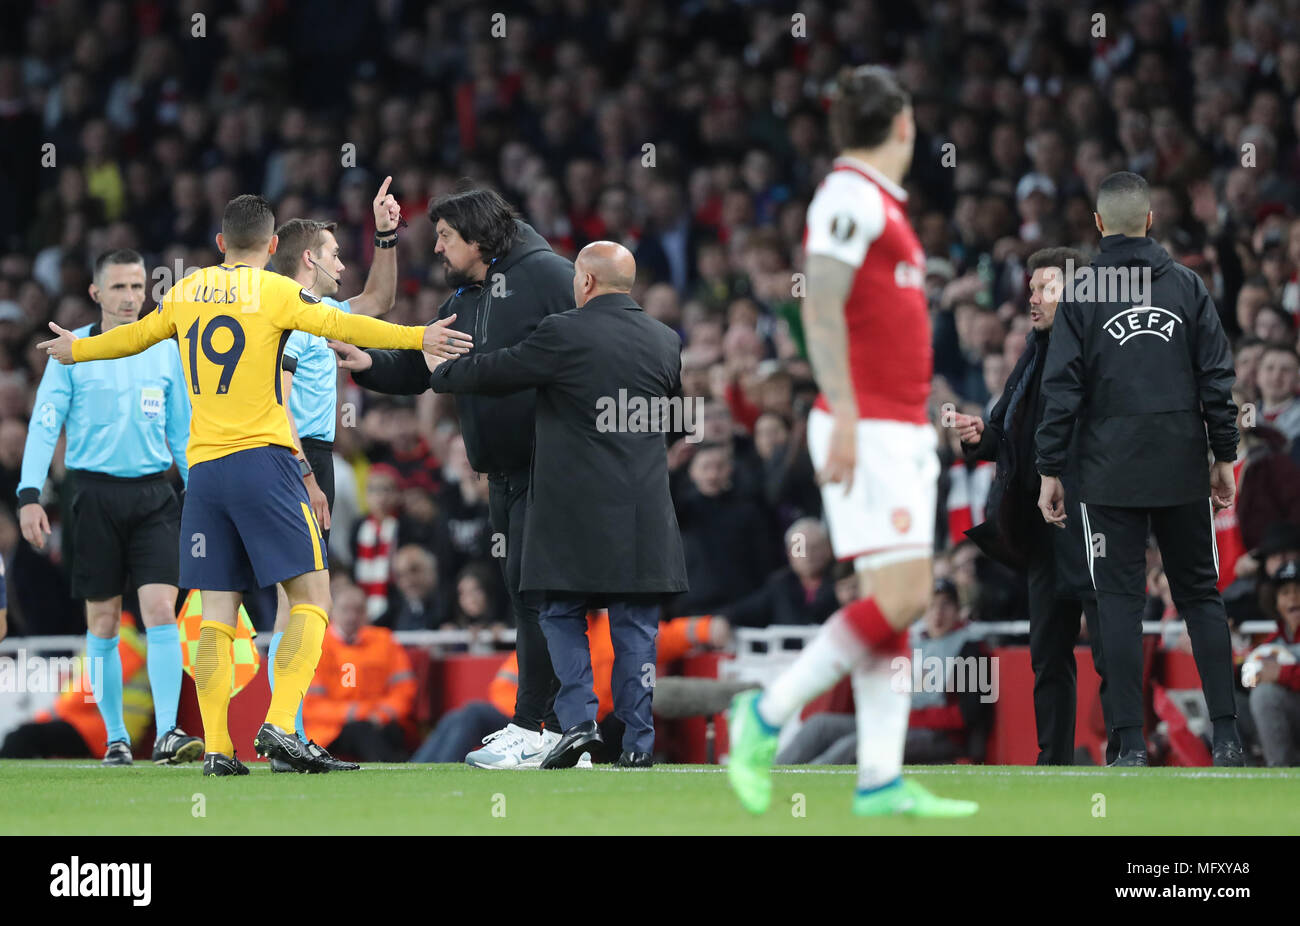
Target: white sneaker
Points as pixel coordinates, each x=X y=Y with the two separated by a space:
x=584 y=761
x=510 y=747
x=548 y=740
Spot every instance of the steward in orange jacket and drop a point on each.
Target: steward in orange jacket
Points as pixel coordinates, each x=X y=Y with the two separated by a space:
x=364 y=678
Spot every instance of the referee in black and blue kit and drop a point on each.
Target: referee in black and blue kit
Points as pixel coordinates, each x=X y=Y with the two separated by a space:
x=127 y=420
x=1141 y=361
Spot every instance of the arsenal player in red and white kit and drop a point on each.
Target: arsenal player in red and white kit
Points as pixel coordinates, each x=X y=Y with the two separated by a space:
x=868 y=334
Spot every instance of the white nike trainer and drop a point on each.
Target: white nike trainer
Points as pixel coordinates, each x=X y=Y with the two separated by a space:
x=511 y=747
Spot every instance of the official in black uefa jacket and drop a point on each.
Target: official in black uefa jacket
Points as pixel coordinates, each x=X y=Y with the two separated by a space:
x=601 y=530
x=1015 y=534
x=507 y=280
x=1139 y=358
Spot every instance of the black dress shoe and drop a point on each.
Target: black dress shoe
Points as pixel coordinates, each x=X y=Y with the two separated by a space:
x=635 y=760
x=579 y=738
x=1229 y=755
x=1135 y=758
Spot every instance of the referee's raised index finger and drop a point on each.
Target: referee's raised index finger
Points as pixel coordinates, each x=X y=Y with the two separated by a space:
x=383 y=189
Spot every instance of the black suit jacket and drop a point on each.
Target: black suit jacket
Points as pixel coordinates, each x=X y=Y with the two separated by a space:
x=600 y=517
x=1014 y=529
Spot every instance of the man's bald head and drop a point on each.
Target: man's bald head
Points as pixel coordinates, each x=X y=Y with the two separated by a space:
x=1124 y=205
x=602 y=267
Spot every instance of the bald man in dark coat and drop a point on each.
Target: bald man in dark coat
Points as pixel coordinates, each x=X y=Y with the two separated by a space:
x=601 y=530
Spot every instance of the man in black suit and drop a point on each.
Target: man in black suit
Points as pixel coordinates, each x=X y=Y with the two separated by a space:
x=600 y=529
x=1016 y=535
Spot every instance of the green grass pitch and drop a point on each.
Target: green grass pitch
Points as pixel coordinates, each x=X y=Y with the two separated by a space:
x=68 y=798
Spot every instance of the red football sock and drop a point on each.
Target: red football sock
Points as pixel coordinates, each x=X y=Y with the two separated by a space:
x=865 y=619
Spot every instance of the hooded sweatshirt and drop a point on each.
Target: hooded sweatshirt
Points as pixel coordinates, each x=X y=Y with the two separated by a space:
x=520 y=289
x=1138 y=355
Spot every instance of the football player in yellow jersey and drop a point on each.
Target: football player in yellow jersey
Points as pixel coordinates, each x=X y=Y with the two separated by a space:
x=247 y=522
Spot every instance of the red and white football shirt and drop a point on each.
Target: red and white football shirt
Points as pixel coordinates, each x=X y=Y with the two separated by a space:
x=888 y=514
x=857 y=217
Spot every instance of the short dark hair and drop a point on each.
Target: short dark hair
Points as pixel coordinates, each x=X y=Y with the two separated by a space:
x=247 y=222
x=121 y=256
x=863 y=108
x=296 y=236
x=1123 y=201
x=481 y=217
x=1056 y=257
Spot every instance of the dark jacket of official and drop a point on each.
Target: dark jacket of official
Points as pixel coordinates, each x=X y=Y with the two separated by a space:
x=1013 y=525
x=534 y=282
x=600 y=516
x=1144 y=380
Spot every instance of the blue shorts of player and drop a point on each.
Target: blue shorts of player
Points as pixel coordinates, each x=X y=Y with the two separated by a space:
x=247 y=523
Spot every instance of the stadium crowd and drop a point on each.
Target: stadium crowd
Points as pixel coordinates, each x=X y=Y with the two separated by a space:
x=694 y=134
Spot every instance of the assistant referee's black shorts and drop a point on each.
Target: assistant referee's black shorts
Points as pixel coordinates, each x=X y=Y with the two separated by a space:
x=122 y=528
x=320 y=454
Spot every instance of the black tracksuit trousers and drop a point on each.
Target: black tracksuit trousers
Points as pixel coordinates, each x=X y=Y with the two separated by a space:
x=1117 y=564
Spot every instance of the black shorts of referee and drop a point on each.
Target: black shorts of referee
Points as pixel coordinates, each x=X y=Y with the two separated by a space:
x=320 y=456
x=122 y=527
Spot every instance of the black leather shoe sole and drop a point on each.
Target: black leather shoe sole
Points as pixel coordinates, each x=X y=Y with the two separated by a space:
x=568 y=751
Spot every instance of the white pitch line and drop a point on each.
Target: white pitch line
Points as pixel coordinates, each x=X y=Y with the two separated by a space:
x=1166 y=772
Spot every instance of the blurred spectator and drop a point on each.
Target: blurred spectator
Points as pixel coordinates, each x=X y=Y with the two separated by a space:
x=789 y=484
x=362 y=699
x=801 y=593
x=478 y=605
x=1275 y=699
x=376 y=538
x=1277 y=379
x=726 y=537
x=419 y=602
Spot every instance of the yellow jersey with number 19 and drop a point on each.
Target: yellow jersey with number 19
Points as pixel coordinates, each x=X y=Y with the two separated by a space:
x=231 y=324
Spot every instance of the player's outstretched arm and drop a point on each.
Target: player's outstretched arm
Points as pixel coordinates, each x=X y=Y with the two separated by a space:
x=330 y=323
x=122 y=341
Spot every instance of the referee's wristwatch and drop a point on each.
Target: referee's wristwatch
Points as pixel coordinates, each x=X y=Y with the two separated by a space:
x=304 y=467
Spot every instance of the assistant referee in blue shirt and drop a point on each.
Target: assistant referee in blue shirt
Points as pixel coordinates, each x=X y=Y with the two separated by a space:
x=127 y=420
